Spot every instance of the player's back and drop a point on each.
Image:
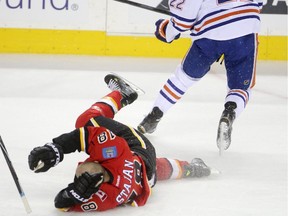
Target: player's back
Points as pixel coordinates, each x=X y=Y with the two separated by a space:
x=226 y=19
x=215 y=19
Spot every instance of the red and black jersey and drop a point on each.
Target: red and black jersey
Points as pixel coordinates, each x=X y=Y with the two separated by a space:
x=127 y=155
x=129 y=181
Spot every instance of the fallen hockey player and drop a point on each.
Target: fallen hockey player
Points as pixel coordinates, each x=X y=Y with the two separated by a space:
x=121 y=167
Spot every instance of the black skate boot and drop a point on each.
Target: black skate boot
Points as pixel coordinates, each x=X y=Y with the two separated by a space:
x=149 y=123
x=114 y=82
x=197 y=168
x=225 y=126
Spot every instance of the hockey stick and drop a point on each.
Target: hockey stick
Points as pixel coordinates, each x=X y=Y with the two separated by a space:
x=14 y=175
x=147 y=7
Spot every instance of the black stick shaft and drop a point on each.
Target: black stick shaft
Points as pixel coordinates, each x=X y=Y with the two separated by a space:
x=147 y=7
x=15 y=177
x=11 y=168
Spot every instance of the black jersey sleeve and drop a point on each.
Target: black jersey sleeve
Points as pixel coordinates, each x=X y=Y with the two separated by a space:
x=70 y=142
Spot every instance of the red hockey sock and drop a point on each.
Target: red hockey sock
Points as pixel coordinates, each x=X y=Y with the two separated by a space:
x=169 y=168
x=107 y=106
x=164 y=169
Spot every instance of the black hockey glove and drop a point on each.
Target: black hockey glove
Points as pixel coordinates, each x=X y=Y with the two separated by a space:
x=43 y=158
x=85 y=186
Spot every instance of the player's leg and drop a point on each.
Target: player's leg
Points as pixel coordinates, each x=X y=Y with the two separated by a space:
x=107 y=106
x=177 y=169
x=126 y=88
x=240 y=62
x=194 y=66
x=122 y=94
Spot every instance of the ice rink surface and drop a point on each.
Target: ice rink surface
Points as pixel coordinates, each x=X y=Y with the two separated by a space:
x=41 y=97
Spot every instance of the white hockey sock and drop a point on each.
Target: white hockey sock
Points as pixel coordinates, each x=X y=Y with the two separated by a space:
x=174 y=89
x=240 y=97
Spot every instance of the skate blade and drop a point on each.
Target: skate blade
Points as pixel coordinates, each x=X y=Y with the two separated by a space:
x=214 y=171
x=136 y=88
x=222 y=138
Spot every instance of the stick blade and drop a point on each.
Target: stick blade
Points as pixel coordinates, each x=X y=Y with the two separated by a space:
x=26 y=204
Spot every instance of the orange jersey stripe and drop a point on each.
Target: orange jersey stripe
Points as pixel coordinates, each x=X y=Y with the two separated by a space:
x=182 y=25
x=161 y=28
x=225 y=16
x=253 y=81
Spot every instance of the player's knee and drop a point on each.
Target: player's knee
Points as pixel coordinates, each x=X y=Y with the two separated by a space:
x=184 y=78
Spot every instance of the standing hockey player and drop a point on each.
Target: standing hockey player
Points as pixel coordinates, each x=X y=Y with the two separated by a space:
x=217 y=27
x=122 y=165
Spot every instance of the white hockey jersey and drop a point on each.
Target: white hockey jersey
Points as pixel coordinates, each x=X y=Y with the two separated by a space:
x=214 y=19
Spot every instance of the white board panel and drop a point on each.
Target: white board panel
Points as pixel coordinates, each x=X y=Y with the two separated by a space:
x=53 y=14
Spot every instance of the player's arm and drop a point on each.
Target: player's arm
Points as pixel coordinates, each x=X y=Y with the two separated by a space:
x=183 y=17
x=42 y=158
x=87 y=139
x=100 y=201
x=79 y=191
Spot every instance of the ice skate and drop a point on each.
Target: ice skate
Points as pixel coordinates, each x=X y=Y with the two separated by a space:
x=150 y=122
x=225 y=127
x=197 y=168
x=116 y=83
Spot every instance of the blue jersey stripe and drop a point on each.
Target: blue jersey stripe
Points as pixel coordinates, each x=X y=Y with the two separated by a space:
x=220 y=11
x=225 y=23
x=183 y=19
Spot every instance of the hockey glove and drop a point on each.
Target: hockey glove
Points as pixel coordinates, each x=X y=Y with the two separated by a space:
x=160 y=32
x=85 y=186
x=43 y=158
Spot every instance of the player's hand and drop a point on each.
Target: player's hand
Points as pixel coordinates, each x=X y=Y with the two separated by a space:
x=43 y=158
x=160 y=32
x=85 y=186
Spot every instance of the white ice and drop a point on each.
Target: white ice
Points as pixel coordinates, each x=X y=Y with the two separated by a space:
x=41 y=97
